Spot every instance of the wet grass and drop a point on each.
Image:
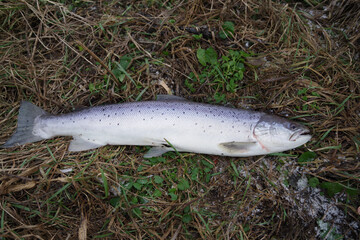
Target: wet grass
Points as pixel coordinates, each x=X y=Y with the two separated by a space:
x=296 y=59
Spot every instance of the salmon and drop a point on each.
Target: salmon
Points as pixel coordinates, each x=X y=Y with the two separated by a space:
x=168 y=124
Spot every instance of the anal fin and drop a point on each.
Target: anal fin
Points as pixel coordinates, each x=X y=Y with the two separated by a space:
x=157 y=151
x=79 y=144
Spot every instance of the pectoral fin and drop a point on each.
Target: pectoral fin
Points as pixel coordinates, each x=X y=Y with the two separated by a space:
x=79 y=144
x=236 y=147
x=157 y=151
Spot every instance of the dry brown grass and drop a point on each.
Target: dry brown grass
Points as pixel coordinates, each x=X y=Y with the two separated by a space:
x=61 y=55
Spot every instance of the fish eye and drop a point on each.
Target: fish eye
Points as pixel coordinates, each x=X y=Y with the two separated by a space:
x=293 y=126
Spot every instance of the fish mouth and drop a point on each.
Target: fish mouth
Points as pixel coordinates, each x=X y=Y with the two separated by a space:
x=299 y=134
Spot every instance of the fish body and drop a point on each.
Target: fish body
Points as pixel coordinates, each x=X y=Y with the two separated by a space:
x=168 y=124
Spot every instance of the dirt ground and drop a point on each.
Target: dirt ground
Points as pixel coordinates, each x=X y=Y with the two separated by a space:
x=296 y=59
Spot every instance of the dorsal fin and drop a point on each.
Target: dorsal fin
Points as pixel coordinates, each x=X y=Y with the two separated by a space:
x=169 y=98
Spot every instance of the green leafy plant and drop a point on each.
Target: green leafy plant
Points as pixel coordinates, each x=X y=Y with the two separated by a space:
x=225 y=74
x=119 y=68
x=305 y=94
x=197 y=36
x=228 y=29
x=183 y=184
x=314 y=182
x=332 y=188
x=207 y=56
x=140 y=188
x=307 y=157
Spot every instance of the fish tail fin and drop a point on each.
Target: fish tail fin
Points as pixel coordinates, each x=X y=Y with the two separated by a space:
x=26 y=119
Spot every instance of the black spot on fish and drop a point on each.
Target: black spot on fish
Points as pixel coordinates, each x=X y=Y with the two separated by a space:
x=178 y=116
x=196 y=123
x=131 y=110
x=108 y=115
x=118 y=124
x=183 y=112
x=143 y=119
x=233 y=127
x=103 y=109
x=84 y=117
x=115 y=114
x=62 y=122
x=99 y=120
x=139 y=111
x=209 y=126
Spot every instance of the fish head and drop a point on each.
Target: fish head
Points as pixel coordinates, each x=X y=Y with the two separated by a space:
x=276 y=134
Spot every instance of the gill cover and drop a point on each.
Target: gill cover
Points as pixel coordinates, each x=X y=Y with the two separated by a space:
x=280 y=133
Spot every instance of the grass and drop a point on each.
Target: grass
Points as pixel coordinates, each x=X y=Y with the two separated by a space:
x=298 y=60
